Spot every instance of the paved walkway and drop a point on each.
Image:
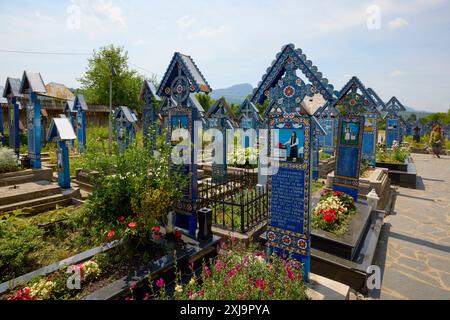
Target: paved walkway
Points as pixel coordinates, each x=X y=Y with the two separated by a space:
x=414 y=249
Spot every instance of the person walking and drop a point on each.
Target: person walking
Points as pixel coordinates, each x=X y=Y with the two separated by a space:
x=436 y=141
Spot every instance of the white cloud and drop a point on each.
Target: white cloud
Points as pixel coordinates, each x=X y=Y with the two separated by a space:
x=398 y=23
x=186 y=22
x=396 y=73
x=96 y=16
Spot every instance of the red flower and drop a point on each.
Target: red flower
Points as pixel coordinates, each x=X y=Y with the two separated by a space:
x=330 y=218
x=132 y=225
x=111 y=234
x=178 y=235
x=133 y=286
x=160 y=283
x=260 y=284
x=122 y=219
x=156 y=229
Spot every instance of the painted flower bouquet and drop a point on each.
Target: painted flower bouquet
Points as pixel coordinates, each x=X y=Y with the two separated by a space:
x=333 y=212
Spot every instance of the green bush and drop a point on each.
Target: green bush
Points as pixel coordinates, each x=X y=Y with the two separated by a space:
x=8 y=160
x=18 y=242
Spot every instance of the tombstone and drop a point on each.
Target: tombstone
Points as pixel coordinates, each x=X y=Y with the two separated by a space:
x=11 y=93
x=319 y=132
x=290 y=185
x=30 y=87
x=61 y=131
x=149 y=111
x=125 y=121
x=44 y=123
x=353 y=102
x=393 y=131
x=181 y=81
x=371 y=128
x=249 y=119
x=220 y=118
x=3 y=101
x=417 y=132
x=327 y=118
x=71 y=115
x=80 y=107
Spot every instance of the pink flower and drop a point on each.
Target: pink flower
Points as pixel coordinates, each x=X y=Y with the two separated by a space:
x=132 y=225
x=111 y=234
x=122 y=219
x=208 y=271
x=290 y=274
x=133 y=286
x=160 y=283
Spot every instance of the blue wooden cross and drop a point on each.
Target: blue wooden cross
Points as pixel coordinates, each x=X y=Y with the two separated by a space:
x=11 y=93
x=71 y=115
x=353 y=103
x=80 y=107
x=61 y=131
x=291 y=180
x=31 y=86
x=149 y=111
x=220 y=117
x=125 y=126
x=181 y=80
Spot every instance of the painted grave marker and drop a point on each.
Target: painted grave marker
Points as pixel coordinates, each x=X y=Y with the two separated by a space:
x=292 y=125
x=80 y=107
x=181 y=81
x=353 y=103
x=125 y=126
x=61 y=131
x=30 y=87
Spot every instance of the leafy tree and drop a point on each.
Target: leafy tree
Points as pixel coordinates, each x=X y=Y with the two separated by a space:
x=205 y=101
x=126 y=83
x=412 y=117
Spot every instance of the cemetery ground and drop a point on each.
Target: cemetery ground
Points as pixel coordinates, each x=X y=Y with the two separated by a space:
x=414 y=250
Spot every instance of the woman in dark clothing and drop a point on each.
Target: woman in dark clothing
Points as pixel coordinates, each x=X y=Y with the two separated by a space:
x=293 y=142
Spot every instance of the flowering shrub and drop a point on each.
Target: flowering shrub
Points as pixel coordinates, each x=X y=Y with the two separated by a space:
x=8 y=160
x=333 y=212
x=55 y=285
x=396 y=155
x=242 y=274
x=244 y=156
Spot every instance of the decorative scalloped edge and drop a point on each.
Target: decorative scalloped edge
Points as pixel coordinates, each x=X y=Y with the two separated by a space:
x=177 y=58
x=309 y=70
x=354 y=80
x=394 y=105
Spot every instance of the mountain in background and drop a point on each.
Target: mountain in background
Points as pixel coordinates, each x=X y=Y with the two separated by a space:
x=237 y=94
x=234 y=94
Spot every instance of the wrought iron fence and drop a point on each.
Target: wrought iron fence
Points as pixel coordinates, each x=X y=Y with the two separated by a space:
x=236 y=203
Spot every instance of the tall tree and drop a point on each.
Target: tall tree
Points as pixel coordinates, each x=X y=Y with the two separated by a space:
x=126 y=81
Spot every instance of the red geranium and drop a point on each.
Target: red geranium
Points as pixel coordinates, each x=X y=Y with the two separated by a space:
x=178 y=235
x=111 y=234
x=132 y=225
x=122 y=219
x=329 y=217
x=156 y=229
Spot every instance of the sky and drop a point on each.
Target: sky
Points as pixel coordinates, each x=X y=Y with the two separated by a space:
x=397 y=47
